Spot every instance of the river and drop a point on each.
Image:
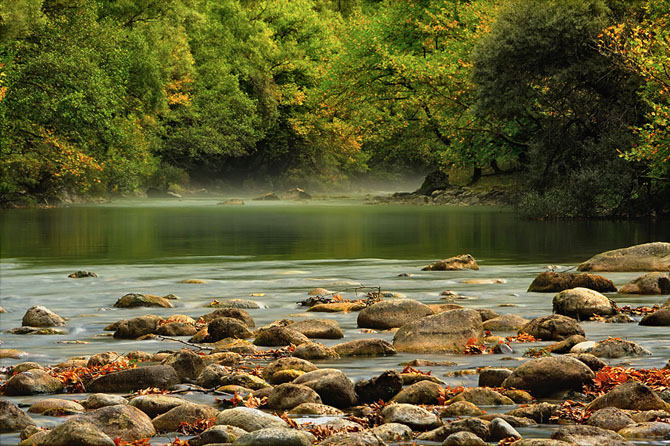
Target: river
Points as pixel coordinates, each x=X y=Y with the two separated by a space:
x=283 y=250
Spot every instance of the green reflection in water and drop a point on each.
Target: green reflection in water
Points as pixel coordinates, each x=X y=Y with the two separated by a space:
x=182 y=232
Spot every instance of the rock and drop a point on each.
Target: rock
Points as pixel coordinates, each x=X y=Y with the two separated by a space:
x=463 y=261
x=545 y=376
x=223 y=358
x=318 y=292
x=393 y=432
x=314 y=350
x=461 y=409
x=239 y=346
x=188 y=412
x=248 y=419
x=482 y=397
x=270 y=196
x=410 y=378
x=75 y=431
x=506 y=322
x=32 y=382
x=295 y=194
x=540 y=412
x=474 y=425
x=487 y=314
x=382 y=387
x=12 y=353
x=81 y=274
x=287 y=396
x=591 y=361
x=582 y=303
x=333 y=386
x=98 y=400
x=501 y=429
x=653 y=429
x=227 y=327
x=129 y=380
x=463 y=438
x=518 y=396
x=423 y=392
x=132 y=300
x=137 y=326
x=554 y=327
x=392 y=313
x=12 y=418
x=610 y=418
x=417 y=418
x=435 y=180
x=271 y=370
x=483 y=281
x=29 y=431
x=659 y=318
x=630 y=395
x=566 y=344
x=56 y=406
x=235 y=313
x=365 y=347
x=353 y=439
x=104 y=358
x=231 y=202
x=652 y=283
x=550 y=281
x=338 y=307
x=242 y=379
x=188 y=364
x=541 y=442
x=279 y=337
x=211 y=376
x=618 y=348
x=315 y=409
x=235 y=303
x=35 y=331
x=177 y=329
x=588 y=436
x=275 y=436
x=217 y=434
x=25 y=366
x=493 y=377
x=318 y=328
x=39 y=316
x=444 y=332
x=647 y=257
x=156 y=404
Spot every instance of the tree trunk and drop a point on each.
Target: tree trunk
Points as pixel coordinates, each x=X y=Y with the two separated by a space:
x=476 y=175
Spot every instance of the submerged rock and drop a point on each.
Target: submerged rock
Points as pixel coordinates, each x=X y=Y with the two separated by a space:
x=132 y=300
x=550 y=281
x=82 y=274
x=647 y=257
x=463 y=261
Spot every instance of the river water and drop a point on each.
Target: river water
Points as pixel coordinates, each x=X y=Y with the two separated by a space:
x=283 y=250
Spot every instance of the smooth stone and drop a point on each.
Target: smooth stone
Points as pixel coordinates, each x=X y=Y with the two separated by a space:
x=40 y=316
x=176 y=329
x=217 y=434
x=333 y=386
x=583 y=303
x=382 y=387
x=554 y=327
x=566 y=344
x=393 y=432
x=133 y=300
x=630 y=395
x=235 y=313
x=610 y=418
x=539 y=412
x=275 y=436
x=649 y=284
x=479 y=427
x=338 y=307
x=593 y=362
x=129 y=380
x=446 y=332
x=501 y=429
x=646 y=257
x=279 y=337
x=98 y=400
x=101 y=359
x=461 y=409
x=417 y=418
x=287 y=396
x=75 y=431
x=315 y=409
x=235 y=303
x=189 y=413
x=482 y=397
x=618 y=348
x=32 y=382
x=156 y=404
x=588 y=436
x=549 y=281
x=318 y=328
x=366 y=438
x=653 y=429
x=423 y=392
x=506 y=322
x=545 y=376
x=463 y=438
x=365 y=347
x=659 y=318
x=493 y=377
x=56 y=405
x=12 y=418
x=463 y=261
x=227 y=327
x=282 y=364
x=392 y=313
x=25 y=366
x=248 y=419
x=137 y=326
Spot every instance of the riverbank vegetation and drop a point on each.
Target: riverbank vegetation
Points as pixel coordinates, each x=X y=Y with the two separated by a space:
x=116 y=96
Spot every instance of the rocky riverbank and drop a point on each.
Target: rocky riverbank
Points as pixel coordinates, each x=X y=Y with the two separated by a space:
x=223 y=380
x=451 y=195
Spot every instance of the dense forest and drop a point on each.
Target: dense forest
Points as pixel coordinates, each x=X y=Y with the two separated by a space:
x=572 y=97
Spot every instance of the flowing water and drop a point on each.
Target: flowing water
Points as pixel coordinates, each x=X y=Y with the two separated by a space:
x=283 y=250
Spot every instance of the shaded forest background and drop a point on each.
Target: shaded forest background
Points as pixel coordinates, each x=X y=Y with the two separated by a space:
x=570 y=97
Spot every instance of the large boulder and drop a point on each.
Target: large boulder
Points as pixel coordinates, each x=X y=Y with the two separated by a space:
x=630 y=395
x=132 y=300
x=647 y=257
x=32 y=382
x=333 y=386
x=318 y=328
x=365 y=347
x=12 y=418
x=137 y=326
x=129 y=380
x=392 y=313
x=549 y=281
x=410 y=415
x=582 y=303
x=554 y=327
x=75 y=431
x=382 y=387
x=288 y=395
x=248 y=419
x=189 y=413
x=186 y=363
x=659 y=318
x=227 y=327
x=651 y=283
x=545 y=376
x=39 y=316
x=440 y=333
x=463 y=261
x=435 y=180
